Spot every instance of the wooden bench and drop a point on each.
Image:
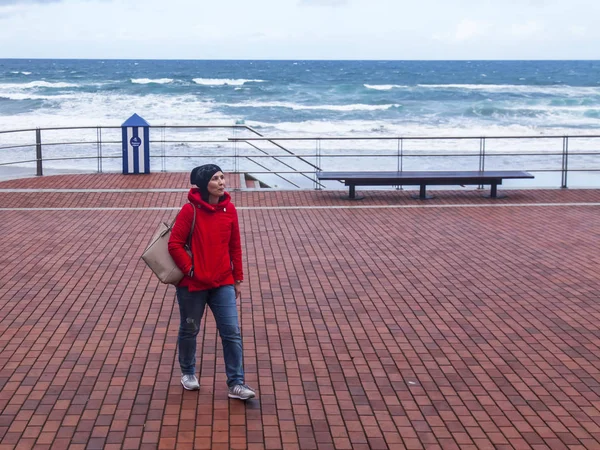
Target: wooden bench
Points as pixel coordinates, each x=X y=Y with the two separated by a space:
x=491 y=177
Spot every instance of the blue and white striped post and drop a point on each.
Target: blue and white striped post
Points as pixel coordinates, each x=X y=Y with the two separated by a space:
x=136 y=145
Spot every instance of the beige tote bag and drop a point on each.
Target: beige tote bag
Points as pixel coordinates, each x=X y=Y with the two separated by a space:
x=157 y=255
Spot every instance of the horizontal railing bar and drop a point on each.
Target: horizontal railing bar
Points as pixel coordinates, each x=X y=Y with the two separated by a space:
x=291 y=172
x=89 y=127
x=17 y=131
x=151 y=141
x=70 y=158
x=345 y=155
x=321 y=138
x=18 y=162
x=60 y=159
x=312 y=172
x=407 y=138
x=18 y=146
x=80 y=143
x=308 y=155
x=359 y=155
x=116 y=127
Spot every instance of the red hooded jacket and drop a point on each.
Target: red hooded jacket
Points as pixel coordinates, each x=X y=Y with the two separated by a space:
x=216 y=244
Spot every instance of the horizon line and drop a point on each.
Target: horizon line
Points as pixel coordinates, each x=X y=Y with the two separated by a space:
x=297 y=59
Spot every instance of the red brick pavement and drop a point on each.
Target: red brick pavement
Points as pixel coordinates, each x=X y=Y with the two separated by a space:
x=172 y=180
x=459 y=324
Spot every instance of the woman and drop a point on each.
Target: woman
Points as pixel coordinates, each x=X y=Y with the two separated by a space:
x=213 y=275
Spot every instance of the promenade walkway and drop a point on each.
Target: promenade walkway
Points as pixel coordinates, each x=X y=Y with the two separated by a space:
x=456 y=323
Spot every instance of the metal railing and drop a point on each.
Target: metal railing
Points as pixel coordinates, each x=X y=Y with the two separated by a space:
x=541 y=154
x=294 y=161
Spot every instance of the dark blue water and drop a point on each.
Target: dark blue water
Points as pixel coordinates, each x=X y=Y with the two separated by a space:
x=332 y=97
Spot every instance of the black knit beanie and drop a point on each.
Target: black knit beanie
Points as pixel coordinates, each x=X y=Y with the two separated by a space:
x=201 y=175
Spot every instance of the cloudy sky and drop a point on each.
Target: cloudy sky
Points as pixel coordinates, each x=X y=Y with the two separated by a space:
x=300 y=29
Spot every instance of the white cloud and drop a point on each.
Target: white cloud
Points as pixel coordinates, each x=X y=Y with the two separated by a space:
x=299 y=29
x=13 y=2
x=577 y=30
x=468 y=29
x=8 y=10
x=528 y=29
x=323 y=2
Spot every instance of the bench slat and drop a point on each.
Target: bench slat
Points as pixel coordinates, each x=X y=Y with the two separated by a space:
x=488 y=174
x=423 y=178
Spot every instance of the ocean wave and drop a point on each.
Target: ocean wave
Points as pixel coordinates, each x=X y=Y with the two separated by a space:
x=366 y=128
x=558 y=89
x=21 y=96
x=296 y=106
x=16 y=95
x=498 y=112
x=150 y=80
x=37 y=84
x=384 y=87
x=224 y=81
x=22 y=73
x=592 y=113
x=538 y=110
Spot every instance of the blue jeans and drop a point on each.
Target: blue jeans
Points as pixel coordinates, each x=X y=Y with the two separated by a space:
x=191 y=308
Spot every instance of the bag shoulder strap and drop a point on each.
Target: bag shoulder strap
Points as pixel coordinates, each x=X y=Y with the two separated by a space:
x=189 y=239
x=188 y=245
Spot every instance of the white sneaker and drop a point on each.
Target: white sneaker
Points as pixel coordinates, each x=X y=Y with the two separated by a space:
x=242 y=392
x=190 y=382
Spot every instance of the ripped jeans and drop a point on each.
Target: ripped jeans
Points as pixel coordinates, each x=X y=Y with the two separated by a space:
x=223 y=305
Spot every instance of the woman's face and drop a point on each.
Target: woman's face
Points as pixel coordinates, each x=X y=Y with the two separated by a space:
x=216 y=185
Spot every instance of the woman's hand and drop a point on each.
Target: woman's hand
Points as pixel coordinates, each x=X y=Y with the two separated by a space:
x=238 y=289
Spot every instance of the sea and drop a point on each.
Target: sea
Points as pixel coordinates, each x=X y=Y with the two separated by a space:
x=308 y=98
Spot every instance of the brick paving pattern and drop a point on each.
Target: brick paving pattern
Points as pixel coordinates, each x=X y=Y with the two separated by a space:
x=383 y=323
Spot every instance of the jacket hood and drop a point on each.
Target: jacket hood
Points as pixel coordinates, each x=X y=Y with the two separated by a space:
x=195 y=197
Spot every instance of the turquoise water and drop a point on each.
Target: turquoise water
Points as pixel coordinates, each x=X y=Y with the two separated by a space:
x=313 y=97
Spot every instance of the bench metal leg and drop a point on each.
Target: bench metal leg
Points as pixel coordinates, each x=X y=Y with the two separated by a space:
x=352 y=195
x=494 y=191
x=422 y=193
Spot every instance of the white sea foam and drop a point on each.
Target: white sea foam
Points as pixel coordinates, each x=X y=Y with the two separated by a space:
x=542 y=108
x=556 y=90
x=224 y=81
x=89 y=109
x=150 y=80
x=37 y=84
x=101 y=108
x=366 y=128
x=30 y=96
x=298 y=107
x=383 y=87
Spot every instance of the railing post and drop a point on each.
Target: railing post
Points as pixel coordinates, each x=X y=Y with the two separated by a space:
x=38 y=152
x=318 y=163
x=565 y=162
x=236 y=156
x=99 y=145
x=481 y=154
x=400 y=165
x=481 y=157
x=400 y=154
x=163 y=151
